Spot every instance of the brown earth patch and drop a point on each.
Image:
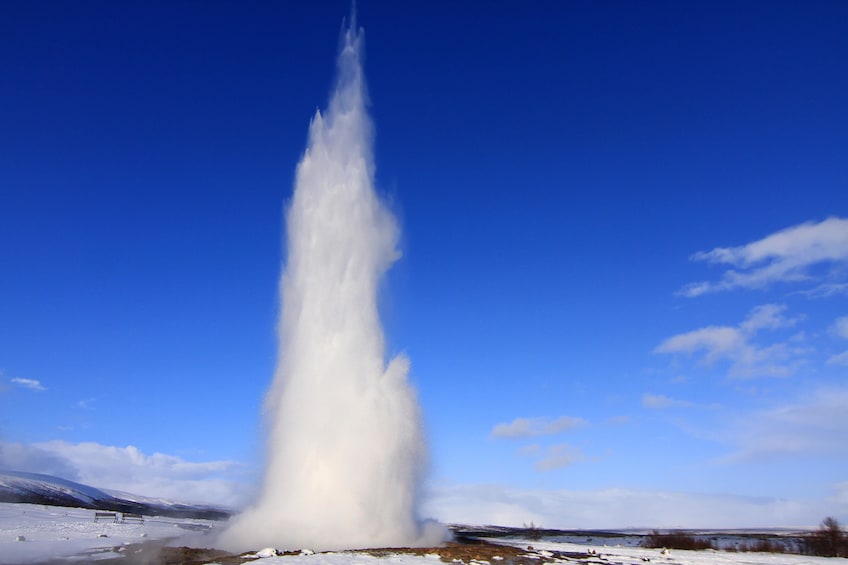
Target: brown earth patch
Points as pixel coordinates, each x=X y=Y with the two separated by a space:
x=452 y=551
x=464 y=550
x=469 y=549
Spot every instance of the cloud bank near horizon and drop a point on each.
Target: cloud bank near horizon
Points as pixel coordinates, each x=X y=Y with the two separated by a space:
x=491 y=504
x=766 y=435
x=812 y=426
x=128 y=469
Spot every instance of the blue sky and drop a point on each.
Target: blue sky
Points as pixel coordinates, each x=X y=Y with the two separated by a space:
x=625 y=238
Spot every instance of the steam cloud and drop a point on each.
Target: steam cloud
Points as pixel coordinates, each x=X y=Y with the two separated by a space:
x=345 y=448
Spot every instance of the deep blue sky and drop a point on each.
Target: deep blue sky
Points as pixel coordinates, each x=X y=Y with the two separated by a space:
x=555 y=166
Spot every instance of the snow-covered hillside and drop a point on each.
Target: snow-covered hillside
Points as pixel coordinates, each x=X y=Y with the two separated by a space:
x=35 y=488
x=45 y=489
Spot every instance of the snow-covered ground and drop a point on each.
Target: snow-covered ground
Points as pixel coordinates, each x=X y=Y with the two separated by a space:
x=628 y=555
x=49 y=533
x=32 y=533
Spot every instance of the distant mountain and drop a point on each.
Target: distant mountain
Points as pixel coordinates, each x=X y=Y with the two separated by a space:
x=34 y=488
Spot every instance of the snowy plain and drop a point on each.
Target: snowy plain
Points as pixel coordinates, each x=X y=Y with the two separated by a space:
x=604 y=556
x=32 y=533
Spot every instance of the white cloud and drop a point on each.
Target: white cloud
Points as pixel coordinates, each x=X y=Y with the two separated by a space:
x=840 y=327
x=768 y=317
x=817 y=425
x=838 y=359
x=620 y=508
x=532 y=427
x=717 y=341
x=734 y=344
x=130 y=470
x=31 y=384
x=784 y=256
x=557 y=457
x=659 y=401
x=531 y=450
x=86 y=404
x=551 y=457
x=840 y=493
x=30 y=458
x=546 y=458
x=619 y=420
x=825 y=290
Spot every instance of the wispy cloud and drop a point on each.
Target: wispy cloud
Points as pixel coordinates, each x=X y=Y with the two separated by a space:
x=546 y=458
x=825 y=290
x=619 y=420
x=131 y=470
x=557 y=457
x=532 y=450
x=840 y=329
x=838 y=359
x=815 y=425
x=840 y=493
x=86 y=404
x=735 y=344
x=659 y=401
x=31 y=384
x=784 y=256
x=533 y=427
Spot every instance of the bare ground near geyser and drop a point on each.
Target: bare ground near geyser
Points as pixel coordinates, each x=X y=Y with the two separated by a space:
x=463 y=549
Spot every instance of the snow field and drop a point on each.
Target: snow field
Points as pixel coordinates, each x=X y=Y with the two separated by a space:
x=53 y=532
x=546 y=552
x=351 y=559
x=631 y=555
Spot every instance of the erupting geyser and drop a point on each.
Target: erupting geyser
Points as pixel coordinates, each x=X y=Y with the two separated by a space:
x=345 y=446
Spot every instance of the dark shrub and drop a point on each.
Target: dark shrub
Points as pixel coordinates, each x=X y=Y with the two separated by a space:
x=763 y=546
x=532 y=532
x=828 y=541
x=676 y=540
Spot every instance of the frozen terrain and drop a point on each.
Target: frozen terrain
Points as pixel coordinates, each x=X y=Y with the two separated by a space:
x=31 y=533
x=50 y=534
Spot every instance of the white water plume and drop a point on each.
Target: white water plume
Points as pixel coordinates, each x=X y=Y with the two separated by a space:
x=345 y=446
